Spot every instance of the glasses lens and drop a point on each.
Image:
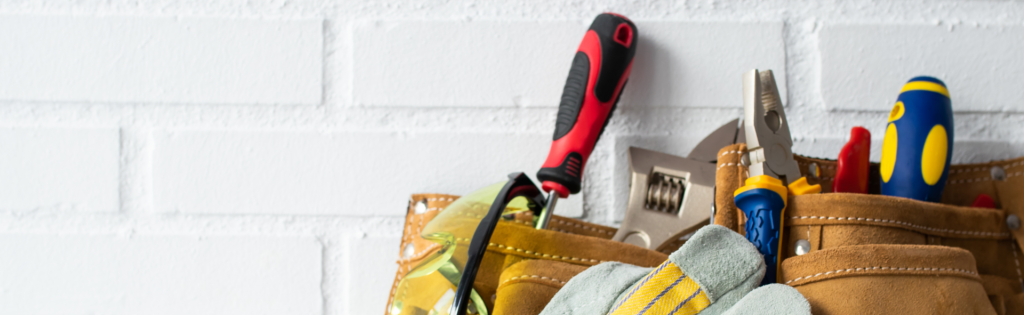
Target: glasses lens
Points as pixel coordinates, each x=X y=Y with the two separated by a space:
x=428 y=288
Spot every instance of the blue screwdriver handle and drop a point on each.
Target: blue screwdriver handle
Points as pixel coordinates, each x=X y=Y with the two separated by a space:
x=918 y=141
x=763 y=201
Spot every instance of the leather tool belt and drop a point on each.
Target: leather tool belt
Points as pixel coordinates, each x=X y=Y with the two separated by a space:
x=860 y=253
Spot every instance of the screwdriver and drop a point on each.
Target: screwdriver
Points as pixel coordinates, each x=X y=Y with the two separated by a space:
x=598 y=74
x=853 y=164
x=918 y=141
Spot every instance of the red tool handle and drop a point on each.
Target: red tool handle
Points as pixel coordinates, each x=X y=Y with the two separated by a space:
x=598 y=74
x=852 y=169
x=984 y=201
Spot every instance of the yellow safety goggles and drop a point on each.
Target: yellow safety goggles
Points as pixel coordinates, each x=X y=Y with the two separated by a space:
x=442 y=283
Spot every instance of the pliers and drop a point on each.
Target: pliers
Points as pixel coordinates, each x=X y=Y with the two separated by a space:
x=774 y=174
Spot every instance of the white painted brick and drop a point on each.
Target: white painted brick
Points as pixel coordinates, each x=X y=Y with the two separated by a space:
x=87 y=274
x=208 y=171
x=701 y=64
x=160 y=59
x=975 y=151
x=75 y=169
x=524 y=63
x=863 y=66
x=462 y=63
x=373 y=271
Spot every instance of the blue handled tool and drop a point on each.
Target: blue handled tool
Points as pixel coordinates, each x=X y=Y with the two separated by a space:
x=918 y=141
x=774 y=174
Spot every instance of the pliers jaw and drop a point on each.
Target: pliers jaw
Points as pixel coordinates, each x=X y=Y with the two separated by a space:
x=769 y=142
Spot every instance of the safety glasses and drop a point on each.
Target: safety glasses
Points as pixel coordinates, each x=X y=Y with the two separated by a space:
x=442 y=282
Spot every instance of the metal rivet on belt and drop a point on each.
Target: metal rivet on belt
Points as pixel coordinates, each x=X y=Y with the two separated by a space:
x=801 y=247
x=745 y=159
x=408 y=251
x=812 y=170
x=998 y=173
x=421 y=207
x=1013 y=222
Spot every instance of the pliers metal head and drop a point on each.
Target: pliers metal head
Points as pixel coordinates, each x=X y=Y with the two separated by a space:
x=769 y=143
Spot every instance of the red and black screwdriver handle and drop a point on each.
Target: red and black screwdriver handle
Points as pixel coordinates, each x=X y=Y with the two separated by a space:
x=596 y=79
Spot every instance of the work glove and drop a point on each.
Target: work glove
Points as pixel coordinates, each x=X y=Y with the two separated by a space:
x=772 y=299
x=709 y=274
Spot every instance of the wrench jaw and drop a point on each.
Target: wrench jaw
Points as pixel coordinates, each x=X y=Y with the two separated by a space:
x=669 y=197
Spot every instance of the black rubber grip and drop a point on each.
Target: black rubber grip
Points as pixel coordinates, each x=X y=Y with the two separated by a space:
x=569 y=173
x=615 y=58
x=572 y=95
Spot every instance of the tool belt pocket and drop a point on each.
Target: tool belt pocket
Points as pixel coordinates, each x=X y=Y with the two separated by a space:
x=868 y=253
x=522 y=268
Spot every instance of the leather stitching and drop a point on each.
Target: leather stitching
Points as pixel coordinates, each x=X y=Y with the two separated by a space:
x=982 y=179
x=720 y=166
x=440 y=199
x=582 y=226
x=542 y=254
x=985 y=168
x=730 y=152
x=514 y=249
x=979 y=233
x=883 y=268
x=534 y=277
x=1013 y=248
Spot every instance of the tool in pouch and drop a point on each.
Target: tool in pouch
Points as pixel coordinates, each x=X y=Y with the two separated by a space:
x=853 y=166
x=918 y=144
x=774 y=174
x=442 y=280
x=598 y=74
x=671 y=196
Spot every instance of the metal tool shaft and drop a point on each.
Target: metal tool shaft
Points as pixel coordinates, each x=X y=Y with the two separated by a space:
x=549 y=209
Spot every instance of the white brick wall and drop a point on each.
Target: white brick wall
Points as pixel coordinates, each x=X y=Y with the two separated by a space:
x=189 y=157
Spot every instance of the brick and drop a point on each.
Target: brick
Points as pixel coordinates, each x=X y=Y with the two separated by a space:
x=299 y=172
x=168 y=274
x=865 y=65
x=161 y=59
x=73 y=169
x=462 y=63
x=372 y=270
x=524 y=63
x=701 y=64
x=984 y=151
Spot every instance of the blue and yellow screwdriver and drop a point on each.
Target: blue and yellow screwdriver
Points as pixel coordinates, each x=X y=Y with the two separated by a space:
x=774 y=174
x=918 y=141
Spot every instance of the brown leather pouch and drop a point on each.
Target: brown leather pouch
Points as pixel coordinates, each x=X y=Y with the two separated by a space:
x=523 y=267
x=870 y=254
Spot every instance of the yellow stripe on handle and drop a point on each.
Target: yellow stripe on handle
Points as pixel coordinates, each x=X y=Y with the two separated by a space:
x=666 y=290
x=925 y=86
